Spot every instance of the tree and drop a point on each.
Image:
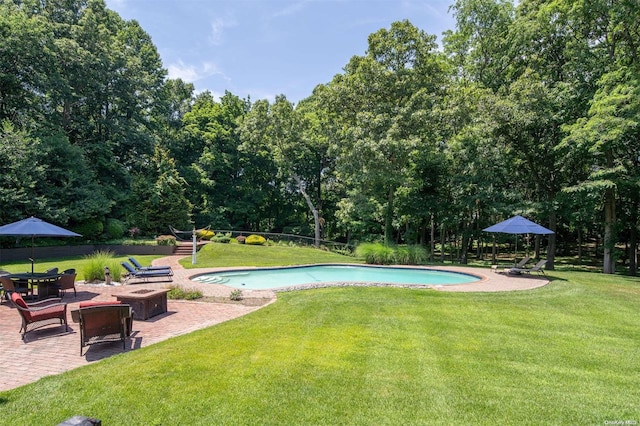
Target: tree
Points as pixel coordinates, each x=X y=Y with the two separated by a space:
x=605 y=138
x=26 y=64
x=287 y=135
x=70 y=189
x=481 y=46
x=159 y=197
x=611 y=135
x=206 y=151
x=21 y=172
x=382 y=101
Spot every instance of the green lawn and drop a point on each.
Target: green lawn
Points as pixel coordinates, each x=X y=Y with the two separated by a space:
x=217 y=255
x=567 y=353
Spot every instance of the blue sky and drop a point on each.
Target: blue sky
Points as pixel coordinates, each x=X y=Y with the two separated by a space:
x=263 y=48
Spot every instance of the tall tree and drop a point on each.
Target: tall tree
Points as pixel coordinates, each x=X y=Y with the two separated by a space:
x=383 y=99
x=611 y=135
x=26 y=64
x=159 y=197
x=206 y=152
x=610 y=37
x=287 y=135
x=21 y=173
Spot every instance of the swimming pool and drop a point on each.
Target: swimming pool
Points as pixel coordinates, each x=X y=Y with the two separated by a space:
x=321 y=275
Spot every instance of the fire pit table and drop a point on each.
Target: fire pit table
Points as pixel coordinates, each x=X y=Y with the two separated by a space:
x=145 y=303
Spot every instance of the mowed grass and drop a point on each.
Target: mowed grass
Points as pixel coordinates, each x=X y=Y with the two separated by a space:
x=567 y=353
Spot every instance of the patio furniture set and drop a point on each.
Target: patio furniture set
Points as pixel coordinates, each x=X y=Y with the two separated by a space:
x=48 y=284
x=99 y=322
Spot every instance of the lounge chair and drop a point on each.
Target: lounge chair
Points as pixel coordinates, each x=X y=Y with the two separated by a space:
x=523 y=262
x=145 y=275
x=103 y=322
x=536 y=268
x=519 y=265
x=46 y=312
x=139 y=267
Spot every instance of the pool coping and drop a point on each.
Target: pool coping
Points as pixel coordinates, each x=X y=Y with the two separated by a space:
x=490 y=280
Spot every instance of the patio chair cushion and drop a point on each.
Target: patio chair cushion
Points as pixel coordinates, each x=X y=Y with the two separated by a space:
x=39 y=314
x=18 y=300
x=48 y=312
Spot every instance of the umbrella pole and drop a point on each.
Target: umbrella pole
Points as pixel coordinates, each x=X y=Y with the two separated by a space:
x=32 y=258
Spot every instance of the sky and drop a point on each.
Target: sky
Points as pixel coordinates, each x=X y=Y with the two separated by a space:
x=263 y=48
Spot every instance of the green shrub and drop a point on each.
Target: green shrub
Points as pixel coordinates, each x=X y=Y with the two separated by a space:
x=206 y=234
x=221 y=238
x=256 y=240
x=176 y=292
x=93 y=269
x=401 y=255
x=146 y=242
x=166 y=240
x=380 y=254
x=90 y=229
x=376 y=253
x=236 y=295
x=115 y=229
x=417 y=255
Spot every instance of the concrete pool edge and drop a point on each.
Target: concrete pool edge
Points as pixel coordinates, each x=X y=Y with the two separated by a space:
x=489 y=281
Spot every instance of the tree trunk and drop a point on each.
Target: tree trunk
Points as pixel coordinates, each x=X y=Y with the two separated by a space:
x=633 y=236
x=314 y=211
x=579 y=244
x=433 y=238
x=442 y=241
x=608 y=266
x=388 y=218
x=551 y=250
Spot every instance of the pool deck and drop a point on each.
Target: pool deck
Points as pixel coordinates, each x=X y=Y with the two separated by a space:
x=51 y=350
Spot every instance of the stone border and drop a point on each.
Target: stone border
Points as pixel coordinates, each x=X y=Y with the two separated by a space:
x=489 y=281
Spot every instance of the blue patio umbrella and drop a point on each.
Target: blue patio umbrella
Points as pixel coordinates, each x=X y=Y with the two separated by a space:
x=34 y=227
x=518 y=225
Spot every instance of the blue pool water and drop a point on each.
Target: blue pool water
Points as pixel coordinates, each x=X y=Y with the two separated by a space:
x=275 y=278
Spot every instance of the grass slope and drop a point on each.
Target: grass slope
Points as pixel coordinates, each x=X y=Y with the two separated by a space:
x=567 y=353
x=220 y=255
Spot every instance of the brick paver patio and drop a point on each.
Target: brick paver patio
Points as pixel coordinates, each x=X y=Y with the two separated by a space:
x=52 y=350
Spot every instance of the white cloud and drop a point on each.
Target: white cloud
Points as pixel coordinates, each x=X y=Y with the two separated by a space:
x=192 y=73
x=182 y=71
x=218 y=26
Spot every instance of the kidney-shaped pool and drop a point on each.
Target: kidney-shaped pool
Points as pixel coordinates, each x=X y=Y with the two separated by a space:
x=288 y=277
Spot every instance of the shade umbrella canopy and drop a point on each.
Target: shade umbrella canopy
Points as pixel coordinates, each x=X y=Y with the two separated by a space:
x=518 y=225
x=34 y=227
